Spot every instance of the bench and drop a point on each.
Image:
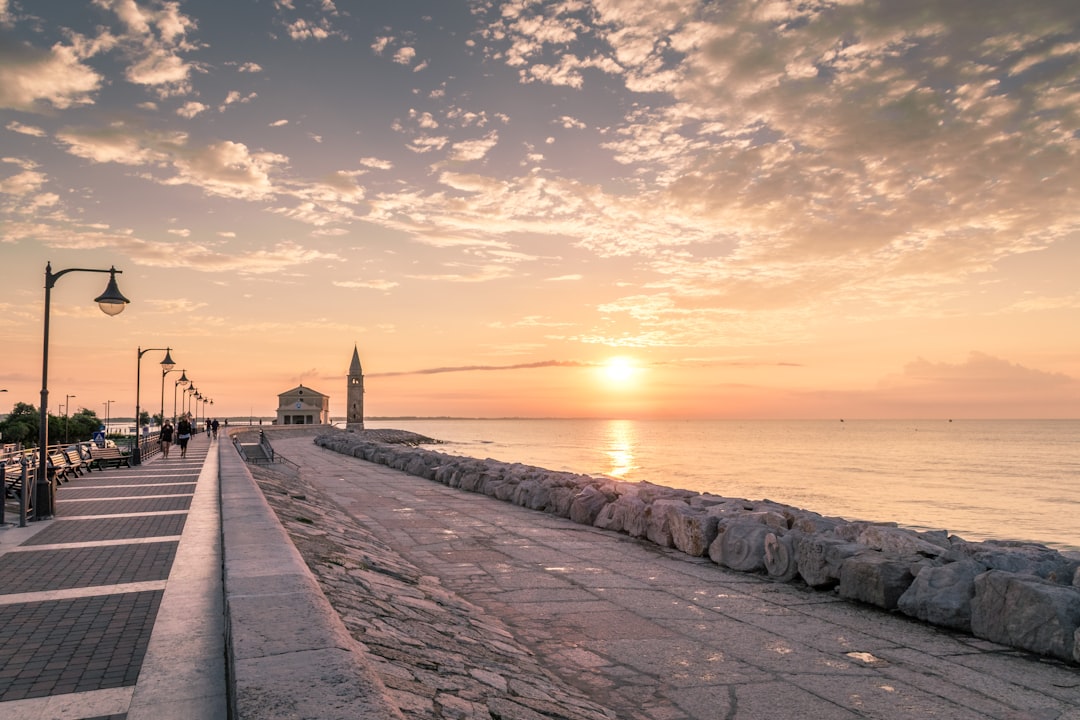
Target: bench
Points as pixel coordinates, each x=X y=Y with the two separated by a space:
x=104 y=457
x=76 y=461
x=13 y=487
x=59 y=469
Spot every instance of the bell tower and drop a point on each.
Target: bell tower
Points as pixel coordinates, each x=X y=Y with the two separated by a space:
x=354 y=420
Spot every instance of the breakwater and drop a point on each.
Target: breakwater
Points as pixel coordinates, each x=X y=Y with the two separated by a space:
x=1019 y=594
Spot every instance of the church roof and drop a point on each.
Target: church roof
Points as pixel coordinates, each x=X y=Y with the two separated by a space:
x=301 y=390
x=354 y=367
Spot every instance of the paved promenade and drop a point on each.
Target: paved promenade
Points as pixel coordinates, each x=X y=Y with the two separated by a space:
x=468 y=608
x=113 y=608
x=655 y=634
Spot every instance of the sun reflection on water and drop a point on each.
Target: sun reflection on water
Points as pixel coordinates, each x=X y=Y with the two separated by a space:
x=620 y=444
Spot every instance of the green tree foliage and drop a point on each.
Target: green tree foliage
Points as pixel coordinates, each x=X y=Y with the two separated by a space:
x=21 y=426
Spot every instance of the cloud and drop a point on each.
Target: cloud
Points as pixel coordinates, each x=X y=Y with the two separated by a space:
x=31 y=80
x=15 y=126
x=367 y=284
x=979 y=375
x=486 y=368
x=468 y=150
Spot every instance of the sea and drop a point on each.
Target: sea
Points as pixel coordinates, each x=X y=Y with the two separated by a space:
x=977 y=479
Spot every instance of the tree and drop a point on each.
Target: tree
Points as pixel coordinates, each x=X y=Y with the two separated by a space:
x=21 y=426
x=144 y=418
x=83 y=425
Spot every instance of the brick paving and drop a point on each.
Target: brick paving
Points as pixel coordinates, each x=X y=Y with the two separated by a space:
x=110 y=528
x=124 y=506
x=75 y=623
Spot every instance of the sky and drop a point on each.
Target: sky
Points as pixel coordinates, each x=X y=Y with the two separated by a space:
x=559 y=208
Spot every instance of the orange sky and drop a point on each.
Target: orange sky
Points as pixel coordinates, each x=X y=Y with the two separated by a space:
x=781 y=210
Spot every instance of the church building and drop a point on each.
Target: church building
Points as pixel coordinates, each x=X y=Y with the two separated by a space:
x=354 y=418
x=303 y=406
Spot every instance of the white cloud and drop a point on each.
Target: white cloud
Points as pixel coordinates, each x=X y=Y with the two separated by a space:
x=32 y=80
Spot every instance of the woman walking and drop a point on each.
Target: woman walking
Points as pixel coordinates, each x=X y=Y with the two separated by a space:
x=166 y=439
x=183 y=434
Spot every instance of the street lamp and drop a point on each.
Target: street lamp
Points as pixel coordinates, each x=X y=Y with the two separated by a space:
x=111 y=302
x=166 y=364
x=188 y=394
x=182 y=382
x=67 y=408
x=163 y=374
x=107 y=404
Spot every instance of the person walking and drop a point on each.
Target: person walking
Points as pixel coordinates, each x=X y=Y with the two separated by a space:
x=166 y=439
x=183 y=434
x=215 y=425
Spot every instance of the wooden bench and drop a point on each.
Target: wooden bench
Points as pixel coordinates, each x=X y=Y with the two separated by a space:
x=104 y=457
x=13 y=488
x=75 y=461
x=59 y=469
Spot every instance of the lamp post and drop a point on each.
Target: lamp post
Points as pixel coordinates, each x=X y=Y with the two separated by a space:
x=163 y=374
x=111 y=302
x=166 y=364
x=107 y=404
x=186 y=399
x=182 y=382
x=67 y=408
x=198 y=398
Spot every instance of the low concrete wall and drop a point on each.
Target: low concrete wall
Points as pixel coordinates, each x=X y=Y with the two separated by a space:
x=289 y=654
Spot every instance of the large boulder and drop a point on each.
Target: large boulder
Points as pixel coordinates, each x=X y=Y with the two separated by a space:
x=820 y=558
x=658 y=522
x=692 y=529
x=942 y=595
x=740 y=545
x=875 y=578
x=1026 y=612
x=588 y=504
x=893 y=540
x=781 y=557
x=1023 y=558
x=626 y=514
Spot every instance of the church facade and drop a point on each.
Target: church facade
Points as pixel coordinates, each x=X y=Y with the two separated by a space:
x=303 y=406
x=354 y=416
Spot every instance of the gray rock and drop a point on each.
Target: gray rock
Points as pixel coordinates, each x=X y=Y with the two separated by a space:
x=942 y=595
x=588 y=504
x=1019 y=557
x=875 y=578
x=692 y=530
x=740 y=545
x=820 y=558
x=1026 y=612
x=625 y=514
x=781 y=557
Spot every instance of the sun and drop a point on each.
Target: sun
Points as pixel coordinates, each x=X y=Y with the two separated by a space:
x=619 y=369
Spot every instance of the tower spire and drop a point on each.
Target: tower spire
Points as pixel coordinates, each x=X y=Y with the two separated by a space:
x=354 y=419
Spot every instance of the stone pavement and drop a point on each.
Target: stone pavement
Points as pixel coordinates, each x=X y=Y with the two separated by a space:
x=113 y=608
x=658 y=635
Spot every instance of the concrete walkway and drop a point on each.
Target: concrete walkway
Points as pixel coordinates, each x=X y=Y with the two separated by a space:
x=113 y=609
x=655 y=634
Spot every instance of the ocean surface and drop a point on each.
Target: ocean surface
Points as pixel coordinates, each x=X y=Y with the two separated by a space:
x=978 y=479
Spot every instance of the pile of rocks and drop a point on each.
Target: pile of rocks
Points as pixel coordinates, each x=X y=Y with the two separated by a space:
x=1019 y=594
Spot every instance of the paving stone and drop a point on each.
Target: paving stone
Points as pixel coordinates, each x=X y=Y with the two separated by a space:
x=96 y=530
x=78 y=645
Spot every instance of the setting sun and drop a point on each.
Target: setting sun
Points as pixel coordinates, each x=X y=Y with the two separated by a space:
x=619 y=369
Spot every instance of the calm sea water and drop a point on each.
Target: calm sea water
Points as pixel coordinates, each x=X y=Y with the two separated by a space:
x=979 y=479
